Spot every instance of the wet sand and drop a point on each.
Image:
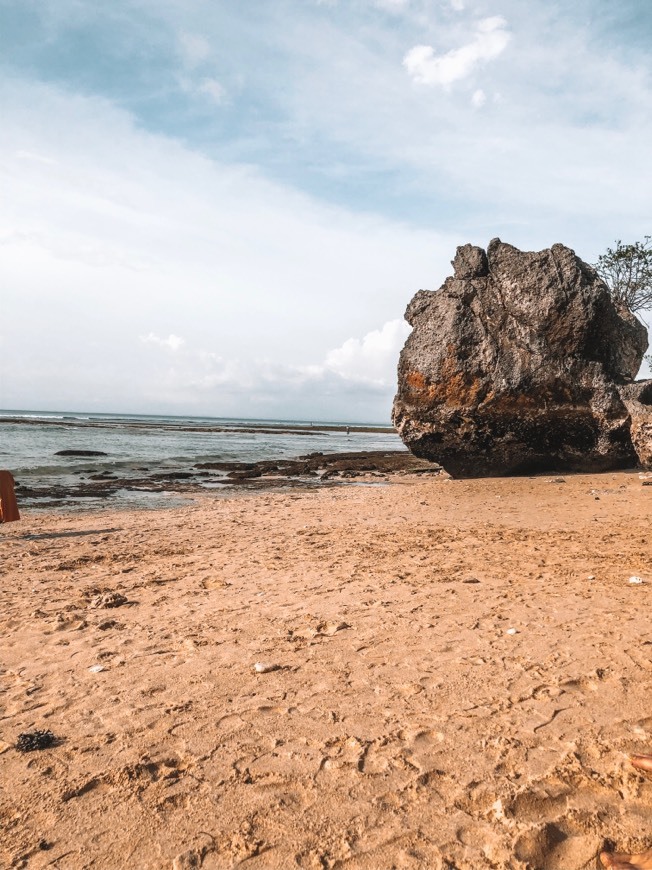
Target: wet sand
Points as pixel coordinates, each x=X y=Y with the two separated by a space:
x=453 y=675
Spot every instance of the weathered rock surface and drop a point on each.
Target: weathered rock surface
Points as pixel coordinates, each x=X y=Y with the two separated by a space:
x=637 y=398
x=522 y=362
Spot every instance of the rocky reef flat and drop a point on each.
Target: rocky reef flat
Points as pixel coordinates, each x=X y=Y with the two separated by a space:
x=86 y=483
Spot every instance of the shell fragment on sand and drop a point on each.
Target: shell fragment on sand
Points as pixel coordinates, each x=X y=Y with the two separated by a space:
x=265 y=667
x=636 y=581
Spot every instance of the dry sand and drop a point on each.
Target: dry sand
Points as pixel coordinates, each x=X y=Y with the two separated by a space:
x=405 y=725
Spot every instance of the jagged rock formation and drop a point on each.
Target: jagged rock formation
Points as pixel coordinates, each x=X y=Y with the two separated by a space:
x=522 y=362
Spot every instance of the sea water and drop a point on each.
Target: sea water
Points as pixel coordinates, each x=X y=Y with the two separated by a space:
x=133 y=444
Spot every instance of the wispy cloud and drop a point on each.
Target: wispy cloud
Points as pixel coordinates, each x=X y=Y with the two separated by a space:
x=172 y=342
x=194 y=49
x=427 y=68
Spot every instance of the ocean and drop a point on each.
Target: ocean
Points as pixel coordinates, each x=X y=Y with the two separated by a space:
x=31 y=441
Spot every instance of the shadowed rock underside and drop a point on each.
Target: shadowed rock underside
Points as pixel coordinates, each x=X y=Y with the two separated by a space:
x=521 y=362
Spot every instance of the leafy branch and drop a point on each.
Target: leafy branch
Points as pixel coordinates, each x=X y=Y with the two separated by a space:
x=627 y=272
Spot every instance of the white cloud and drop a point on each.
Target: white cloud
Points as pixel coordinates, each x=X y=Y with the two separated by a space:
x=361 y=370
x=479 y=98
x=194 y=49
x=372 y=358
x=172 y=342
x=424 y=67
x=457 y=5
x=213 y=89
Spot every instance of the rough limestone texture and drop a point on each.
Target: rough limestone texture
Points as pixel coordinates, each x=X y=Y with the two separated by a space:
x=521 y=362
x=637 y=398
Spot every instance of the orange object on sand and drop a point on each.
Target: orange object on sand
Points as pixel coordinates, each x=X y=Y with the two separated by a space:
x=8 y=506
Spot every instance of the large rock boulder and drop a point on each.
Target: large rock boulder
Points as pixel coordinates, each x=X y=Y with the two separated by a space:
x=517 y=363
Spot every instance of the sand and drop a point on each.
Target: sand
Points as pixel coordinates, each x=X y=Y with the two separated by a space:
x=453 y=675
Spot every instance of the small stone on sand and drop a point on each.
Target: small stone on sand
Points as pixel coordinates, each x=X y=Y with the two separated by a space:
x=109 y=599
x=265 y=667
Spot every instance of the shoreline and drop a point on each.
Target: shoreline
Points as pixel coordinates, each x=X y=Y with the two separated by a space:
x=453 y=673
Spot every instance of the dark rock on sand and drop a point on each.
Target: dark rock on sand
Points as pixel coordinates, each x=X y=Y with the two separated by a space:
x=30 y=741
x=80 y=453
x=521 y=362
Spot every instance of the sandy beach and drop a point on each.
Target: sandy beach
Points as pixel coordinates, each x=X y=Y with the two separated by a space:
x=451 y=675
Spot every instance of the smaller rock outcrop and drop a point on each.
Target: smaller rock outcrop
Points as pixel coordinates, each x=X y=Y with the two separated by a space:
x=522 y=362
x=637 y=398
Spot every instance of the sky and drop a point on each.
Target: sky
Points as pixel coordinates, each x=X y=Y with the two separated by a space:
x=222 y=208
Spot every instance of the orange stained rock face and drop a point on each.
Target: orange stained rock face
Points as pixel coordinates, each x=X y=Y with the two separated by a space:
x=8 y=506
x=460 y=389
x=455 y=388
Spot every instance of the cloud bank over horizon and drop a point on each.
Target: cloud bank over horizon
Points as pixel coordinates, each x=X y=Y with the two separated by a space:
x=225 y=210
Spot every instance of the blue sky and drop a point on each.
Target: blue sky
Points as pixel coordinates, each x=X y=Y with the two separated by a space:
x=224 y=207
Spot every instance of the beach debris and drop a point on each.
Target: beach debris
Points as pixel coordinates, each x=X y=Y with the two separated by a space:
x=591 y=577
x=266 y=667
x=29 y=741
x=96 y=669
x=109 y=599
x=512 y=631
x=636 y=581
x=470 y=398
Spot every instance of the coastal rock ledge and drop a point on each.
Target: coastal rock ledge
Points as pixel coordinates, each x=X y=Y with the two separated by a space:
x=521 y=362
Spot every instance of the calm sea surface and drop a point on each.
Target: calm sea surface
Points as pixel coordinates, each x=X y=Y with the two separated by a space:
x=30 y=441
